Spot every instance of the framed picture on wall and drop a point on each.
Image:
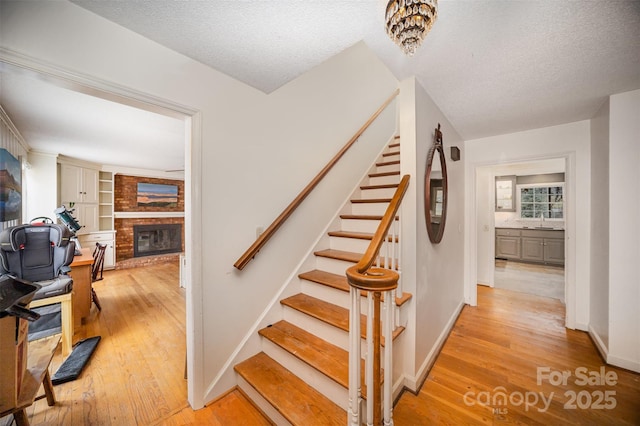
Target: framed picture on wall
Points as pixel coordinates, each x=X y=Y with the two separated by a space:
x=10 y=187
x=157 y=195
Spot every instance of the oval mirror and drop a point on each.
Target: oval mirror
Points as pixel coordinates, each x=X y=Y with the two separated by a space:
x=435 y=189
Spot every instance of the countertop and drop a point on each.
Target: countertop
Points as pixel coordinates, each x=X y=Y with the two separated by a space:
x=543 y=227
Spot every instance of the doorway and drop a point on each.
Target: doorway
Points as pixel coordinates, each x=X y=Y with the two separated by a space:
x=498 y=236
x=192 y=174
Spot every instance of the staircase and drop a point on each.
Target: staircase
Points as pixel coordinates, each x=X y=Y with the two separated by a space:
x=301 y=375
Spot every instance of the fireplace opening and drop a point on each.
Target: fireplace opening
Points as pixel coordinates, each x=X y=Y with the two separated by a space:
x=149 y=240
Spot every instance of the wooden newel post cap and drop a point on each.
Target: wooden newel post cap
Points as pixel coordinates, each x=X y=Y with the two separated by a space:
x=374 y=279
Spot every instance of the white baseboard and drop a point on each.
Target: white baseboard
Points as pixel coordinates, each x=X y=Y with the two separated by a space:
x=602 y=348
x=413 y=382
x=623 y=363
x=582 y=327
x=612 y=359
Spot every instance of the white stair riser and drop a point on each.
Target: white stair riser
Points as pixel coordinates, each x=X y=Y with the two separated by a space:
x=384 y=180
x=355 y=245
x=359 y=225
x=338 y=297
x=377 y=209
x=332 y=265
x=377 y=193
x=388 y=168
x=262 y=403
x=324 y=331
x=321 y=329
x=314 y=378
x=326 y=293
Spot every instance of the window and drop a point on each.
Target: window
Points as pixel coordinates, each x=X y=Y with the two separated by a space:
x=546 y=200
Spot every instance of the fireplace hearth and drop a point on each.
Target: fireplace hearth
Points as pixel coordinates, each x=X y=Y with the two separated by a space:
x=150 y=240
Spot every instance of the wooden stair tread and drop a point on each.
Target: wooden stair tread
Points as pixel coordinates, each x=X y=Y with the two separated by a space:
x=298 y=402
x=390 y=153
x=387 y=163
x=394 y=145
x=355 y=235
x=327 y=358
x=371 y=200
x=339 y=282
x=347 y=256
x=362 y=217
x=329 y=313
x=381 y=174
x=390 y=185
x=329 y=279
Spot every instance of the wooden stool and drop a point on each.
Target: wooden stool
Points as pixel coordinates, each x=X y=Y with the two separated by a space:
x=37 y=372
x=66 y=312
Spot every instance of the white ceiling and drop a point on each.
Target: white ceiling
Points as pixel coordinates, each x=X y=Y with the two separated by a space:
x=492 y=66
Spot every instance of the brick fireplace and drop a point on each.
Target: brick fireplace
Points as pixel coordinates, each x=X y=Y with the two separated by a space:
x=128 y=214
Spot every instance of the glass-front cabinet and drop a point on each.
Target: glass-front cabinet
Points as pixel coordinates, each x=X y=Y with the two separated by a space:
x=505 y=193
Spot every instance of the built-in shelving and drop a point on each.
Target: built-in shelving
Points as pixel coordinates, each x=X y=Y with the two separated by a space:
x=105 y=201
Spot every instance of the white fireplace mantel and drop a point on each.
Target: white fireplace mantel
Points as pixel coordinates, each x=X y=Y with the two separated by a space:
x=146 y=215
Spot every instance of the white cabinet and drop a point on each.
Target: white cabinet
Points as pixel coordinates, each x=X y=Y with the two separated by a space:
x=102 y=237
x=79 y=192
x=78 y=184
x=87 y=216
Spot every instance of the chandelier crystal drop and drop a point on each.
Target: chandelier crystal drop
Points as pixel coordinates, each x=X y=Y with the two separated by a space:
x=409 y=21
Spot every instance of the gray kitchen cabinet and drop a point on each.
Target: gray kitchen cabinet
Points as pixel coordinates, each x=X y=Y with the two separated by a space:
x=508 y=244
x=530 y=245
x=533 y=249
x=554 y=250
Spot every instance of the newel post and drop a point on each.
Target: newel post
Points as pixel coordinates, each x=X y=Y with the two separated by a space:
x=375 y=281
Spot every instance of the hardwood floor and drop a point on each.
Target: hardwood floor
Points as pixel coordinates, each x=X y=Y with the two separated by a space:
x=496 y=348
x=136 y=376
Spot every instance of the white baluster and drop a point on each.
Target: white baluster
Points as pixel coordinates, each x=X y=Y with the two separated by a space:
x=369 y=362
x=388 y=357
x=355 y=390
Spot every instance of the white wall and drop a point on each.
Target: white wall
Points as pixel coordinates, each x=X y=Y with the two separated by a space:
x=485 y=205
x=431 y=272
x=599 y=307
x=568 y=140
x=624 y=230
x=255 y=153
x=42 y=175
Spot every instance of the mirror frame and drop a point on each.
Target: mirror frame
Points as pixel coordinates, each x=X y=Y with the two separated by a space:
x=435 y=236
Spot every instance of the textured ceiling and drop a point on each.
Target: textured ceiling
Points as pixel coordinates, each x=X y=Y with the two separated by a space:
x=493 y=67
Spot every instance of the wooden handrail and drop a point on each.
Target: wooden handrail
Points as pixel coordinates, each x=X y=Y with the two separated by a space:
x=277 y=223
x=362 y=276
x=371 y=254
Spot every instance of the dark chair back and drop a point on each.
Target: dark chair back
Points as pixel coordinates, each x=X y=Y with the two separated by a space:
x=98 y=261
x=38 y=253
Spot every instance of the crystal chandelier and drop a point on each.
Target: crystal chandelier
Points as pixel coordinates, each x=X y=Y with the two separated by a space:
x=409 y=21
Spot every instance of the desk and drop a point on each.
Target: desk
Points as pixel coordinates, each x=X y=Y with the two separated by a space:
x=66 y=320
x=73 y=309
x=37 y=373
x=81 y=274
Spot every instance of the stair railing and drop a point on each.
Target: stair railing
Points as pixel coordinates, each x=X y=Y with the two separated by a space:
x=277 y=223
x=375 y=280
x=391 y=258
